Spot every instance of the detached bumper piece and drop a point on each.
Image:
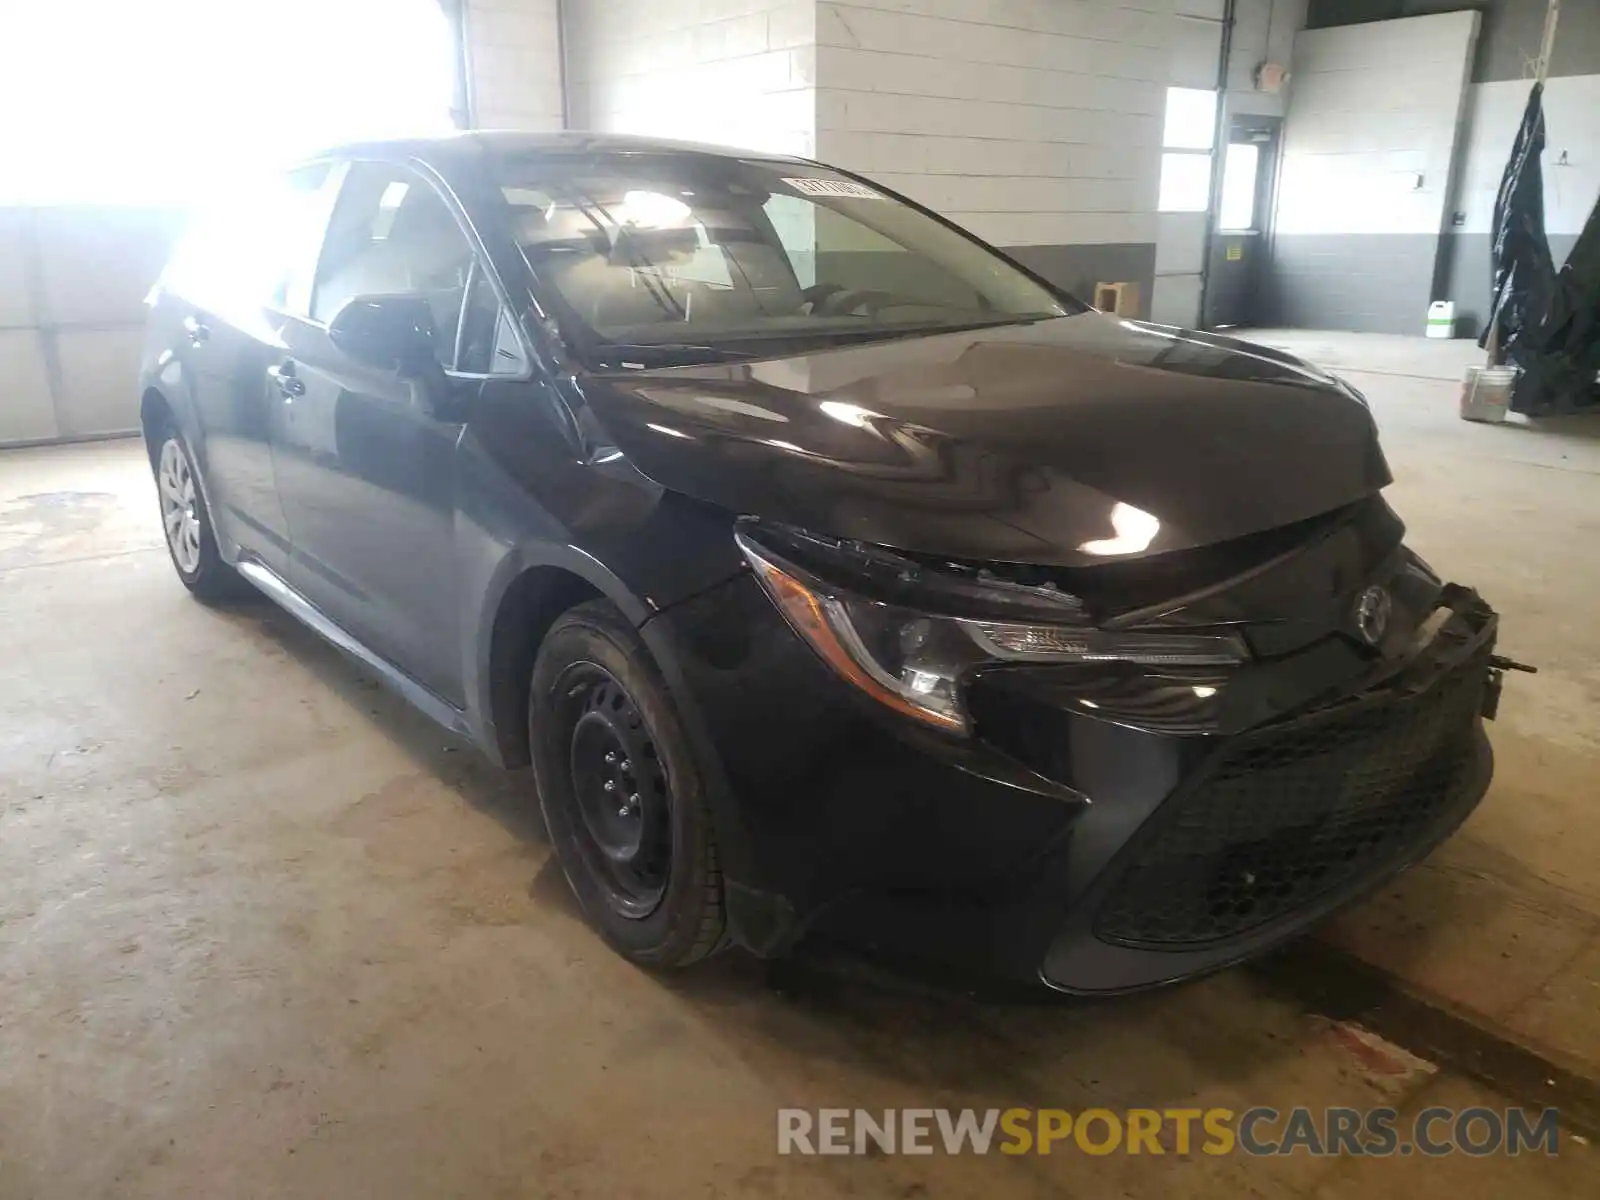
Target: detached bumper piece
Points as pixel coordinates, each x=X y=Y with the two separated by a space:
x=1278 y=826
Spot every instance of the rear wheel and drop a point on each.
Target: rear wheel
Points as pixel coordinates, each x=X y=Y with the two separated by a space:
x=187 y=523
x=620 y=791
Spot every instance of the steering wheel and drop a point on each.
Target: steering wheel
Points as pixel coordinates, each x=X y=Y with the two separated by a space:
x=835 y=300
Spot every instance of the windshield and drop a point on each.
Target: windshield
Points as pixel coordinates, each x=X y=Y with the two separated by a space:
x=691 y=257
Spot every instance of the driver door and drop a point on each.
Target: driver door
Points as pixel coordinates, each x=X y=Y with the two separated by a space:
x=366 y=459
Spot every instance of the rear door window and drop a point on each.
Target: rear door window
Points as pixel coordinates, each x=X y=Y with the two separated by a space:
x=255 y=247
x=308 y=199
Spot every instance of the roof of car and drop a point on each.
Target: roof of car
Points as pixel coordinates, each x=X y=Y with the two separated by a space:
x=516 y=142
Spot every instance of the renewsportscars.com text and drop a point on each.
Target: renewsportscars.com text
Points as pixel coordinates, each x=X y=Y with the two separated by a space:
x=1260 y=1131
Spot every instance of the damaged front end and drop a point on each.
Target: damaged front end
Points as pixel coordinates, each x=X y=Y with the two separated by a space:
x=1239 y=738
x=1269 y=826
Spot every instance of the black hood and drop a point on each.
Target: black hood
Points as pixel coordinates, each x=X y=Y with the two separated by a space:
x=1067 y=442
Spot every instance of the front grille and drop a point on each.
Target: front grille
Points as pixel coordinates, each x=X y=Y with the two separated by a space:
x=1285 y=817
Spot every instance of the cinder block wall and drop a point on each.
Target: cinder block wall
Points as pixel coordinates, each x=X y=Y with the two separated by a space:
x=514 y=56
x=1263 y=31
x=1368 y=149
x=1037 y=126
x=733 y=72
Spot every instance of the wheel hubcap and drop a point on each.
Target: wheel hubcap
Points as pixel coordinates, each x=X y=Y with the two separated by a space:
x=620 y=789
x=180 y=508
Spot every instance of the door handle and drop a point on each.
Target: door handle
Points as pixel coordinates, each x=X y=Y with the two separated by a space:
x=196 y=331
x=289 y=384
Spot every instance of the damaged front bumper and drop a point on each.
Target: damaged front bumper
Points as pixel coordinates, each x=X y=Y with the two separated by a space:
x=1272 y=829
x=1101 y=832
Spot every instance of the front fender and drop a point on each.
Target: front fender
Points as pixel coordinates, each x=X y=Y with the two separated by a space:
x=639 y=608
x=165 y=375
x=523 y=505
x=165 y=382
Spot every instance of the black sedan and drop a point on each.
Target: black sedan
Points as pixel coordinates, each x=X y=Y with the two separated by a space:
x=833 y=573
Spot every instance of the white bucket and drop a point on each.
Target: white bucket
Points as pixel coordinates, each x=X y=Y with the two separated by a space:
x=1486 y=393
x=1442 y=319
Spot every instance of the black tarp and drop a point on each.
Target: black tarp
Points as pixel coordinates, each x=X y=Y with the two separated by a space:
x=1548 y=324
x=1560 y=355
x=1522 y=267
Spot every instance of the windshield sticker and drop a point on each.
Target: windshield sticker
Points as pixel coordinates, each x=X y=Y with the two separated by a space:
x=844 y=189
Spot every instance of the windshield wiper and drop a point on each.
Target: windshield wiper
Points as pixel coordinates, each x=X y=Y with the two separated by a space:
x=965 y=326
x=638 y=355
x=881 y=333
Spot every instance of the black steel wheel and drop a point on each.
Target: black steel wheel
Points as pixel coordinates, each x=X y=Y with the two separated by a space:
x=621 y=792
x=620 y=789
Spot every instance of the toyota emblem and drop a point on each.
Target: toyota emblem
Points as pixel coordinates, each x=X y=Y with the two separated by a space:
x=1372 y=614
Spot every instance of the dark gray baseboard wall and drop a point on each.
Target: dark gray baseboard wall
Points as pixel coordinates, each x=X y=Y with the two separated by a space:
x=1368 y=282
x=1079 y=268
x=1075 y=268
x=1383 y=282
x=1466 y=275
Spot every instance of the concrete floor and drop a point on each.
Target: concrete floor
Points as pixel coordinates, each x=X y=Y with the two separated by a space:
x=266 y=932
x=1504 y=921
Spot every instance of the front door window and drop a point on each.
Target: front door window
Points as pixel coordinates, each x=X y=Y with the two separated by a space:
x=392 y=233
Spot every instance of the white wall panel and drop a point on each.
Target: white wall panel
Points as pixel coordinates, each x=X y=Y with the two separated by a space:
x=99 y=390
x=1176 y=300
x=16 y=294
x=1180 y=243
x=95 y=265
x=72 y=285
x=1263 y=32
x=1125 y=25
x=514 y=47
x=1369 y=139
x=26 y=411
x=1196 y=53
x=1572 y=126
x=735 y=72
x=1032 y=124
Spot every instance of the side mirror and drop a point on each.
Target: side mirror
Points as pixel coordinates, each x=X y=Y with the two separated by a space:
x=388 y=332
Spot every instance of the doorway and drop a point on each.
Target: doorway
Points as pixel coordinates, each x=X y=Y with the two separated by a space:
x=1236 y=270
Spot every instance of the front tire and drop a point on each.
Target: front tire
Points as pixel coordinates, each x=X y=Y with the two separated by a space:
x=186 y=523
x=621 y=794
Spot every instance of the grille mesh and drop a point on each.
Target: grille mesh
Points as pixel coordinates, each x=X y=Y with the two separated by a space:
x=1284 y=818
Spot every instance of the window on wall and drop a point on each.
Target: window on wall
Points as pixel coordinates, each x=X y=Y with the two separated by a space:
x=1239 y=165
x=1188 y=136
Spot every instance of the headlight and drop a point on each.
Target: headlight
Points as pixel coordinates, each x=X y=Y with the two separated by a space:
x=914 y=662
